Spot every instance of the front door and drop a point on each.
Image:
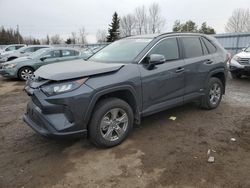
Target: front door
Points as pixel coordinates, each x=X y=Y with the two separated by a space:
x=163 y=85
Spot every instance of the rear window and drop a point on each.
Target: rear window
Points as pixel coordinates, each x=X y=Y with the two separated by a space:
x=192 y=47
x=211 y=48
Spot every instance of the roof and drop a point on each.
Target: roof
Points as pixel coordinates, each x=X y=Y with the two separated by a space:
x=151 y=36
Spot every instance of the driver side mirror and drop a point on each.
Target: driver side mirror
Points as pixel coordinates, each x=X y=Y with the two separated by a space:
x=43 y=58
x=155 y=59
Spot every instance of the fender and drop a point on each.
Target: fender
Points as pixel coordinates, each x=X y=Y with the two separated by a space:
x=99 y=94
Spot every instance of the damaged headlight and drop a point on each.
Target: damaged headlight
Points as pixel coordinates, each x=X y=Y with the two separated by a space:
x=62 y=87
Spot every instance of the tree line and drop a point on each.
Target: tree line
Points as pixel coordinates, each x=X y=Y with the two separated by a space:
x=144 y=20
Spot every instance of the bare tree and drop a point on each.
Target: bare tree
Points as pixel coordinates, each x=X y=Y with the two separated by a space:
x=140 y=17
x=55 y=39
x=73 y=38
x=156 y=21
x=101 y=36
x=82 y=35
x=239 y=21
x=127 y=25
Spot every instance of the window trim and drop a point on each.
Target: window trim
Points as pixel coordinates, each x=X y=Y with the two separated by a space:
x=178 y=45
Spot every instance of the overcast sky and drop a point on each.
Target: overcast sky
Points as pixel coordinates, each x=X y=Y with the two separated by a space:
x=41 y=17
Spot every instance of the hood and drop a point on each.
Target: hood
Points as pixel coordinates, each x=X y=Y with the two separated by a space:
x=74 y=69
x=244 y=54
x=17 y=60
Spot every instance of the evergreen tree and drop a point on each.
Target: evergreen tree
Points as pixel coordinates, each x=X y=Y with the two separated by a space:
x=206 y=29
x=177 y=26
x=189 y=26
x=113 y=31
x=68 y=41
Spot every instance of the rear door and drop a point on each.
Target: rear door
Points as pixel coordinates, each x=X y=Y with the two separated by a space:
x=163 y=86
x=195 y=71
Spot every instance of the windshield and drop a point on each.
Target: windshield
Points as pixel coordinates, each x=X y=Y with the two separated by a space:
x=38 y=53
x=22 y=49
x=247 y=49
x=124 y=50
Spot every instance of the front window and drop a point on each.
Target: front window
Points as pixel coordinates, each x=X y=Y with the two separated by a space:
x=11 y=48
x=69 y=53
x=124 y=50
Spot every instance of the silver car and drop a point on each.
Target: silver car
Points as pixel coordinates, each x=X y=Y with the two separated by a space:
x=21 y=52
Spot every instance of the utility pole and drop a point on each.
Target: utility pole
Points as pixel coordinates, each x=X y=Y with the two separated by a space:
x=17 y=28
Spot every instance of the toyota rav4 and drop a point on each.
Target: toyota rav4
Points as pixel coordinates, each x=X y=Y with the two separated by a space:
x=130 y=78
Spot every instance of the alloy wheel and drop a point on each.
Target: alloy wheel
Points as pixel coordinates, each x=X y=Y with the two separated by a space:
x=114 y=124
x=215 y=94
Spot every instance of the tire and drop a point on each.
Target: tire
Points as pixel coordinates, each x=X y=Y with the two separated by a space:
x=213 y=94
x=103 y=128
x=235 y=75
x=25 y=72
x=11 y=58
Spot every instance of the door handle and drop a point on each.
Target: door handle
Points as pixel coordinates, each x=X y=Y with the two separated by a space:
x=208 y=61
x=180 y=69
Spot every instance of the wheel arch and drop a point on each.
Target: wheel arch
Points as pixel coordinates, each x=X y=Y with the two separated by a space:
x=126 y=93
x=221 y=75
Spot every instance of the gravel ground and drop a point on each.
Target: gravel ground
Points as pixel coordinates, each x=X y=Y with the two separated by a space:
x=158 y=153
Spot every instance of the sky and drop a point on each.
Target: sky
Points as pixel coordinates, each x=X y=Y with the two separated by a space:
x=38 y=18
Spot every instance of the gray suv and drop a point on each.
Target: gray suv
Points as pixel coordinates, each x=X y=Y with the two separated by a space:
x=130 y=78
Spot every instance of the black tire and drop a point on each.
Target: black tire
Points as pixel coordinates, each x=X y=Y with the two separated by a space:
x=100 y=112
x=206 y=102
x=11 y=58
x=236 y=75
x=24 y=69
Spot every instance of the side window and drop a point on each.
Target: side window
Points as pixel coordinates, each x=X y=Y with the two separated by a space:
x=192 y=47
x=38 y=48
x=53 y=54
x=17 y=47
x=168 y=48
x=211 y=48
x=68 y=53
x=31 y=49
x=11 y=48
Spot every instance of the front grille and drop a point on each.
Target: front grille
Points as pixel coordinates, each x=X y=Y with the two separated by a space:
x=244 y=61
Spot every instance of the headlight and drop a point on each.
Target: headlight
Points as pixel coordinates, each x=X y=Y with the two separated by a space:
x=236 y=58
x=62 y=87
x=9 y=66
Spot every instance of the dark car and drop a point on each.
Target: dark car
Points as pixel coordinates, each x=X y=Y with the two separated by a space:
x=130 y=78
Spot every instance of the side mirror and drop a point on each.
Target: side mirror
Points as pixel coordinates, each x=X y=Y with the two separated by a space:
x=43 y=58
x=156 y=59
x=22 y=52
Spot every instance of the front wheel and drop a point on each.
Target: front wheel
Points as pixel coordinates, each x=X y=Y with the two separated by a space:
x=111 y=122
x=25 y=73
x=213 y=94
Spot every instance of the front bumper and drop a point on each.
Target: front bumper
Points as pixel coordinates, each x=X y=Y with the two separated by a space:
x=236 y=67
x=39 y=123
x=58 y=116
x=8 y=73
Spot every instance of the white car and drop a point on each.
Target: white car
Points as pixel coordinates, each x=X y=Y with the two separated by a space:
x=21 y=52
x=240 y=64
x=11 y=48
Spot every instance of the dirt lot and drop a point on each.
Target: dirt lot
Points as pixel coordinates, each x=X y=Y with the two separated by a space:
x=158 y=153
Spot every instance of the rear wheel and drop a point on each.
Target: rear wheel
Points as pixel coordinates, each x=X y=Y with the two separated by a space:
x=213 y=94
x=111 y=122
x=25 y=72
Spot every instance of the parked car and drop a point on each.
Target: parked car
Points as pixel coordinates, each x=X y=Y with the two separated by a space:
x=10 y=49
x=240 y=64
x=24 y=67
x=22 y=52
x=130 y=78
